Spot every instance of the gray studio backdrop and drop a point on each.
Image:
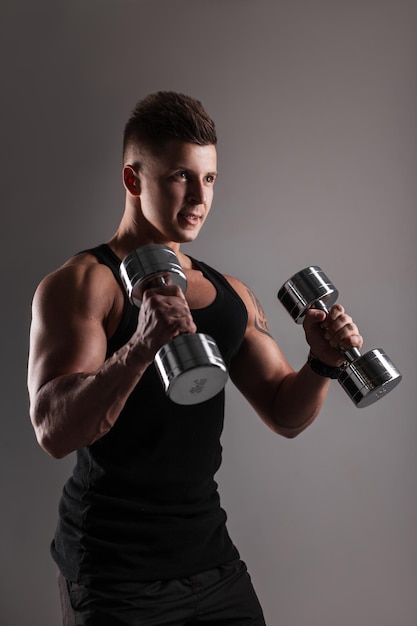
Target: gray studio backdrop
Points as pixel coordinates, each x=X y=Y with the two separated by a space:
x=315 y=104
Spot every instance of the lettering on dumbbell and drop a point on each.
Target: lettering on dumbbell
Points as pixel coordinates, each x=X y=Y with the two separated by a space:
x=198 y=385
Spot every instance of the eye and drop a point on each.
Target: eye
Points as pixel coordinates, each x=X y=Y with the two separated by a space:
x=210 y=178
x=182 y=174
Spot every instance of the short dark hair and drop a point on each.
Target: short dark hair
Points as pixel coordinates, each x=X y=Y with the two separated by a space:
x=167 y=115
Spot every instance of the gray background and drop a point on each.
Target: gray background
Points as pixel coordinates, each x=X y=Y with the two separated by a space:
x=315 y=104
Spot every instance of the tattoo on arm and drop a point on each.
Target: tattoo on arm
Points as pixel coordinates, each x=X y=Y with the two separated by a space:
x=260 y=318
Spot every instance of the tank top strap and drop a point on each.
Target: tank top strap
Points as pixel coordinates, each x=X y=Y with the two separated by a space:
x=127 y=326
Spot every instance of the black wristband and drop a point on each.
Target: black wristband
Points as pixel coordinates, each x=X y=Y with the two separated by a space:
x=322 y=369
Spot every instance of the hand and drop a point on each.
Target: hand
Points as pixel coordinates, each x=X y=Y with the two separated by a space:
x=328 y=333
x=164 y=314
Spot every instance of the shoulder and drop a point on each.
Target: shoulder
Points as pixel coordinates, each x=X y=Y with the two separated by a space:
x=79 y=283
x=78 y=273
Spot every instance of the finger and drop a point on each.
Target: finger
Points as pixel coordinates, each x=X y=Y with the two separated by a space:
x=350 y=339
x=333 y=314
x=336 y=319
x=314 y=317
x=343 y=333
x=331 y=327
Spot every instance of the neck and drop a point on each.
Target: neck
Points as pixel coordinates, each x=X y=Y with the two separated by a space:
x=131 y=235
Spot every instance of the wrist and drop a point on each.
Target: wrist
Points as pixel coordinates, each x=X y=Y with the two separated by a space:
x=322 y=369
x=137 y=355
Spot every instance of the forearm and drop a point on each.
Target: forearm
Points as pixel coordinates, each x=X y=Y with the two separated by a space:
x=298 y=401
x=74 y=410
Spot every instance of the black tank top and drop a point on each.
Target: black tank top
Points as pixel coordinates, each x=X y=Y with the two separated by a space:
x=142 y=502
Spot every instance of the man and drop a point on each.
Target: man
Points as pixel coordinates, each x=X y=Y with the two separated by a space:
x=141 y=537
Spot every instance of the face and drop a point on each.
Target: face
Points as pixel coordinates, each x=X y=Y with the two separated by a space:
x=176 y=191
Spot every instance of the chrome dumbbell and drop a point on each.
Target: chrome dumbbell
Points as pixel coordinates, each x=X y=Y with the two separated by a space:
x=190 y=366
x=366 y=377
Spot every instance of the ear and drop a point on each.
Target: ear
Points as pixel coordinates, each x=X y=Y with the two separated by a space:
x=131 y=180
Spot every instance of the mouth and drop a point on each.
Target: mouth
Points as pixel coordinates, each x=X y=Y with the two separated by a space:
x=189 y=217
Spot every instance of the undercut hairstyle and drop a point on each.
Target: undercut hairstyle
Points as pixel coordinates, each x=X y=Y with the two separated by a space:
x=167 y=115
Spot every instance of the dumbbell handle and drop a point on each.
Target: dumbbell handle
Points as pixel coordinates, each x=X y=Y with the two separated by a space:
x=156 y=281
x=351 y=354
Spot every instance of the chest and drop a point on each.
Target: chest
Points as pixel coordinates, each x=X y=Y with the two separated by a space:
x=200 y=292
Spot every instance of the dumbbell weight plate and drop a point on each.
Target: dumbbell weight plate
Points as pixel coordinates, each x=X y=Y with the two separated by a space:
x=148 y=264
x=369 y=378
x=191 y=368
x=305 y=290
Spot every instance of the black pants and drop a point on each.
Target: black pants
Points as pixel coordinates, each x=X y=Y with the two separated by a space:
x=223 y=596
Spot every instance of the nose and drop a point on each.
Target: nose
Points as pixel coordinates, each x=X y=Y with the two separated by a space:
x=196 y=192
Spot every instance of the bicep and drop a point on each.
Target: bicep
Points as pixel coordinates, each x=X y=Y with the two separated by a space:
x=259 y=367
x=258 y=370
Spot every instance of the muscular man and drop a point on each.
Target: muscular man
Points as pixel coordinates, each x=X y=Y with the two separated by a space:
x=141 y=537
